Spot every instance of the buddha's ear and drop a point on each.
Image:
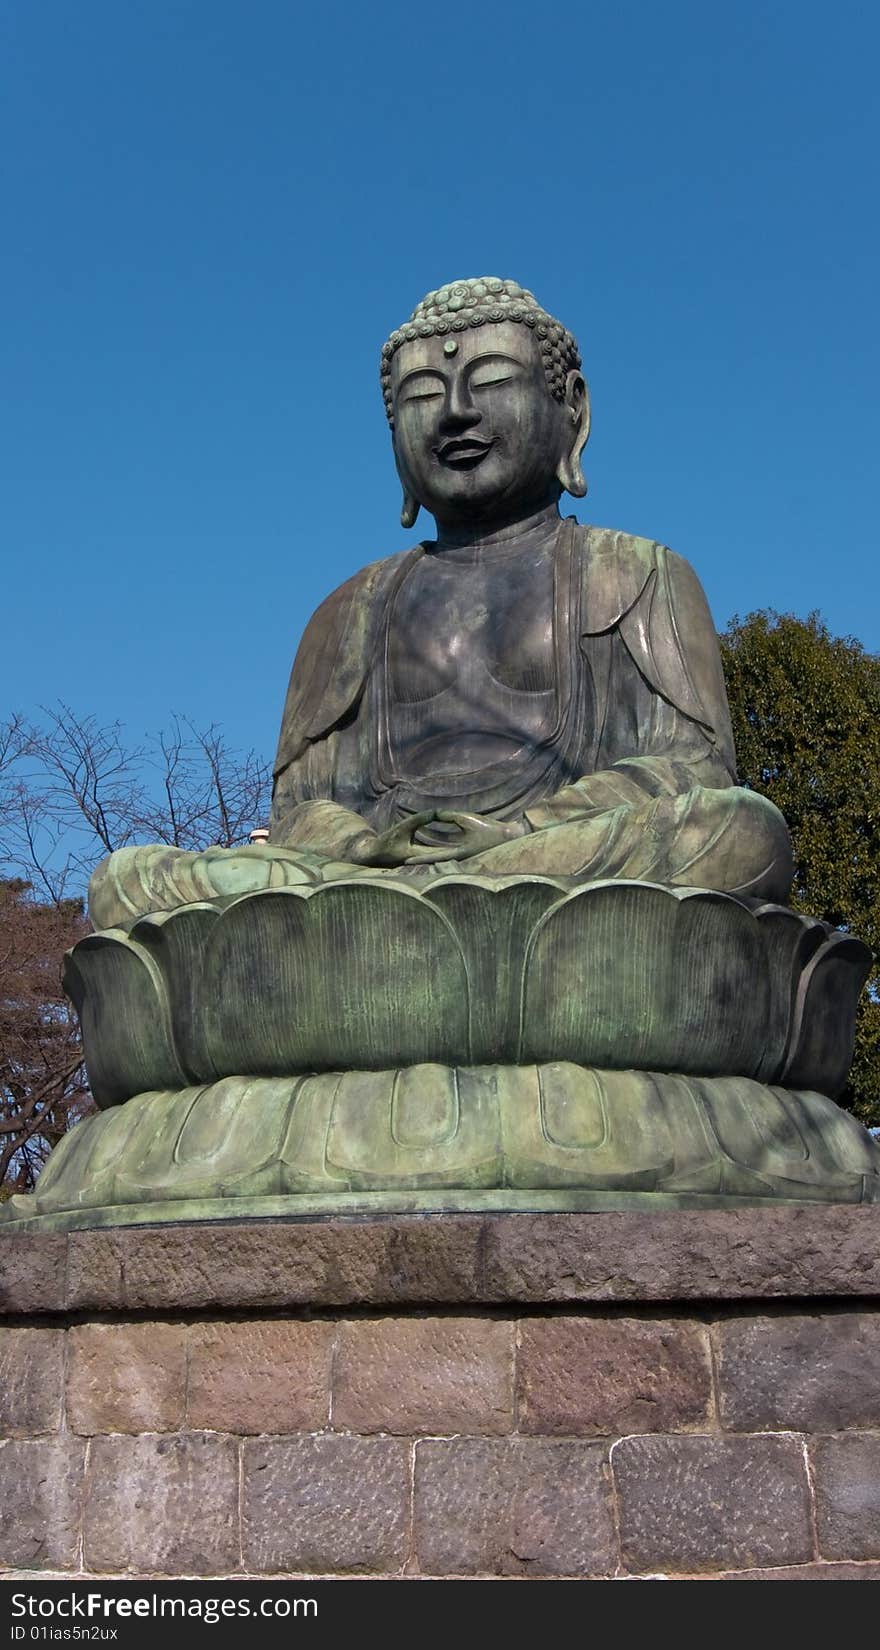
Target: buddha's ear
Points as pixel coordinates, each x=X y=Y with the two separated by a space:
x=409 y=509
x=410 y=505
x=577 y=404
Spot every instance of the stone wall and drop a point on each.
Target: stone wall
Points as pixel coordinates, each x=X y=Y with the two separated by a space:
x=587 y=1395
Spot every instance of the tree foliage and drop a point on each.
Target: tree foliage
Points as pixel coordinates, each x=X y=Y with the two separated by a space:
x=71 y=791
x=43 y=1085
x=805 y=707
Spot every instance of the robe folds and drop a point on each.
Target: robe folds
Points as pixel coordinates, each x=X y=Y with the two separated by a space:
x=655 y=795
x=630 y=585
x=643 y=786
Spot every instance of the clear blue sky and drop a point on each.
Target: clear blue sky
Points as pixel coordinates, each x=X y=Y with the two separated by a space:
x=214 y=212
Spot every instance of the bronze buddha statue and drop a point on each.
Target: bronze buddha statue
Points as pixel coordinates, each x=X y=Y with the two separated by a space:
x=517 y=938
x=520 y=695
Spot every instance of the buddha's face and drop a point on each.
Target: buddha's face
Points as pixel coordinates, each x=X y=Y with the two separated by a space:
x=478 y=438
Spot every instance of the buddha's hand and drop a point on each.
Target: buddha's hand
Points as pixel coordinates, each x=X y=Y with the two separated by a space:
x=476 y=833
x=397 y=845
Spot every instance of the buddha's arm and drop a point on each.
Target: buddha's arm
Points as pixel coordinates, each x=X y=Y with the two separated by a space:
x=676 y=736
x=323 y=826
x=634 y=780
x=338 y=833
x=682 y=766
x=305 y=813
x=307 y=818
x=676 y=757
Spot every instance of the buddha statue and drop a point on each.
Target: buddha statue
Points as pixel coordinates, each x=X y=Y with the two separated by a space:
x=520 y=694
x=515 y=938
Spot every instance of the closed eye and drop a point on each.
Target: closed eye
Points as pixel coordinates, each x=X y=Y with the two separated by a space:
x=488 y=380
x=421 y=386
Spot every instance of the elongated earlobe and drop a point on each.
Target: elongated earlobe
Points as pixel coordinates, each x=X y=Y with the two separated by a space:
x=577 y=400
x=570 y=476
x=409 y=510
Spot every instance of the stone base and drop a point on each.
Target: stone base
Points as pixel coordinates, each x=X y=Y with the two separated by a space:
x=677 y=1394
x=375 y=1205
x=432 y=1137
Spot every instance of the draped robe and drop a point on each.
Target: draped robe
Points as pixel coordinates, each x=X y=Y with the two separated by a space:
x=643 y=721
x=635 y=778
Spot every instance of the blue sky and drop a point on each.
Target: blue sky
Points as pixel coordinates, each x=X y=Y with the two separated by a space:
x=215 y=211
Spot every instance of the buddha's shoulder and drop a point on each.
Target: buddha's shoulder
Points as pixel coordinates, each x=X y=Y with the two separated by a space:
x=359 y=590
x=333 y=655
x=612 y=545
x=618 y=568
x=376 y=572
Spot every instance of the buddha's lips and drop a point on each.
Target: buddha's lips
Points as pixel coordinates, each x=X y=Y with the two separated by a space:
x=464 y=452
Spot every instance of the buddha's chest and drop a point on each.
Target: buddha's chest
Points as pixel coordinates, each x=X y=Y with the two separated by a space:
x=452 y=625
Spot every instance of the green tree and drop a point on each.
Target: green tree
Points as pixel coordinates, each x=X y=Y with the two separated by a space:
x=805 y=707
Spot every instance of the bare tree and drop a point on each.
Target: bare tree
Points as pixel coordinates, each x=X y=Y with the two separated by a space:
x=209 y=795
x=68 y=792
x=72 y=791
x=43 y=1087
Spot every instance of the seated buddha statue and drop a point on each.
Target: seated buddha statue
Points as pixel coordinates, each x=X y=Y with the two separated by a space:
x=520 y=694
x=515 y=938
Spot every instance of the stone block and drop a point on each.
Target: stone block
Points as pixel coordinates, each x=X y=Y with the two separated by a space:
x=813 y=1373
x=126 y=1377
x=96 y=1270
x=260 y=1375
x=272 y=1265
x=683 y=1254
x=33 y=1271
x=424 y=1374
x=611 y=1375
x=691 y=1504
x=847 y=1477
x=31 y=1381
x=162 y=1505
x=431 y=1258
x=627 y=1255
x=513 y=1506
x=40 y=1504
x=327 y=1504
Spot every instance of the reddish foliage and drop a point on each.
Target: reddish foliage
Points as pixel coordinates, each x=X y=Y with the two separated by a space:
x=43 y=1086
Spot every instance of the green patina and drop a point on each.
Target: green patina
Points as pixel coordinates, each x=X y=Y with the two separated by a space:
x=517 y=938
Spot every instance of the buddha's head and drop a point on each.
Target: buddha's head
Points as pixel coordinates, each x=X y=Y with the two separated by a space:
x=488 y=408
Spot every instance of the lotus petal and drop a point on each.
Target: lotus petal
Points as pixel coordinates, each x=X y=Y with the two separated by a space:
x=789 y=940
x=220 y=1141
x=566 y=1126
x=493 y=922
x=333 y=978
x=176 y=940
x=823 y=1021
x=624 y=974
x=119 y=994
x=457 y=1141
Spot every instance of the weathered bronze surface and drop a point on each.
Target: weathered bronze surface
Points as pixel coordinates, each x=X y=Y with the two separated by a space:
x=520 y=694
x=516 y=930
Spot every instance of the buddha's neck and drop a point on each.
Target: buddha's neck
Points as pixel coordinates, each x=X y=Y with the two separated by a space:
x=531 y=532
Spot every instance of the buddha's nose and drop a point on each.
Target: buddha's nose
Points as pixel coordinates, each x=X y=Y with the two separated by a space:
x=460 y=411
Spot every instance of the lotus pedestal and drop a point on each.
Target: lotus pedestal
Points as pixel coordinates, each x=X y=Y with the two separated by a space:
x=507 y=1044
